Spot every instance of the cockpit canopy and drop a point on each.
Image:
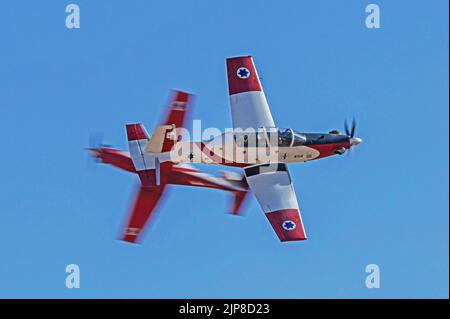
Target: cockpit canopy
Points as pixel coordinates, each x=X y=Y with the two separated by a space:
x=287 y=137
x=281 y=137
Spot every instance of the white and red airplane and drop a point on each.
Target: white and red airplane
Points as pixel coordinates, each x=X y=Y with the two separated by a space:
x=153 y=183
x=256 y=145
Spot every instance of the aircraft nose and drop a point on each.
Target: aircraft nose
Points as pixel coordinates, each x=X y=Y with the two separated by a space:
x=355 y=141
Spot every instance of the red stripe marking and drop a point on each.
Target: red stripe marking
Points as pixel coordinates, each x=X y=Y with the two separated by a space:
x=326 y=150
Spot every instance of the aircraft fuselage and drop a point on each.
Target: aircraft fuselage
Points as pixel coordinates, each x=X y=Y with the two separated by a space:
x=243 y=149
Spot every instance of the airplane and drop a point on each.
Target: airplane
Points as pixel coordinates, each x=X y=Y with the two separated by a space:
x=154 y=184
x=254 y=144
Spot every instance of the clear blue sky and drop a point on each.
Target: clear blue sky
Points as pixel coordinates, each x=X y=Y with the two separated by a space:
x=387 y=203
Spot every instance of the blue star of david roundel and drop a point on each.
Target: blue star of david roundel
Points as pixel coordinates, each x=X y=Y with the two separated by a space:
x=289 y=225
x=243 y=73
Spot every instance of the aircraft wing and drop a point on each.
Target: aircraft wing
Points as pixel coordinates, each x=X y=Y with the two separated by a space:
x=145 y=203
x=249 y=107
x=178 y=110
x=272 y=186
x=164 y=137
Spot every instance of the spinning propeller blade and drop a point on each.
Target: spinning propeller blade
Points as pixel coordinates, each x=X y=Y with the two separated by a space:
x=95 y=146
x=350 y=132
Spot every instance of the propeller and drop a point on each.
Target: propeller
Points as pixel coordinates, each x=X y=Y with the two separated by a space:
x=96 y=141
x=350 y=132
x=95 y=144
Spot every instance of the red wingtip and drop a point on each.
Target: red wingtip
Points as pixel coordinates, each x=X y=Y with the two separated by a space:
x=131 y=235
x=181 y=96
x=287 y=224
x=129 y=239
x=242 y=75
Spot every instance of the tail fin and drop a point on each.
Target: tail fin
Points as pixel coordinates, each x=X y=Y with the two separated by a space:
x=144 y=164
x=161 y=136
